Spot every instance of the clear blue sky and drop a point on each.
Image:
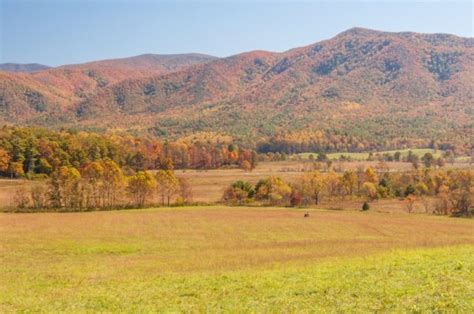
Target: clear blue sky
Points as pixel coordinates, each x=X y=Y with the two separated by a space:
x=72 y=31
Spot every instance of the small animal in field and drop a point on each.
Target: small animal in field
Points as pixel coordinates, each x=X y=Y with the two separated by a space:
x=306 y=215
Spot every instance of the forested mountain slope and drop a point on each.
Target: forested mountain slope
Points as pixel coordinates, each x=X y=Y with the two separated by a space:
x=50 y=96
x=369 y=86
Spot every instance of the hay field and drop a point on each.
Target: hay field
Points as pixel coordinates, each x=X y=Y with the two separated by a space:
x=364 y=155
x=228 y=259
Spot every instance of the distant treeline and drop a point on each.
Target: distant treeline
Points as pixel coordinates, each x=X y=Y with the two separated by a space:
x=32 y=151
x=332 y=141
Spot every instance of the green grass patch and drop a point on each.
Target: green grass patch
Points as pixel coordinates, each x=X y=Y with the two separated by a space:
x=363 y=156
x=423 y=280
x=235 y=259
x=104 y=248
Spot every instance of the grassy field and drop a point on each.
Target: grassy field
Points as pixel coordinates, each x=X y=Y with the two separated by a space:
x=363 y=156
x=9 y=187
x=229 y=259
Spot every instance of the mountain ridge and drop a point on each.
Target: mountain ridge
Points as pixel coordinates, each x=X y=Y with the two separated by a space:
x=24 y=96
x=142 y=60
x=23 y=67
x=362 y=78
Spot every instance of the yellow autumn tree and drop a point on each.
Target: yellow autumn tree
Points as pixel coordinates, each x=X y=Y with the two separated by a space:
x=167 y=185
x=140 y=186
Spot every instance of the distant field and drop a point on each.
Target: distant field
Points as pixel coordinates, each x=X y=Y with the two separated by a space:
x=9 y=187
x=363 y=156
x=230 y=259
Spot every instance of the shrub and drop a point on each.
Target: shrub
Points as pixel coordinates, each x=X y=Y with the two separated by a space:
x=295 y=198
x=21 y=199
x=273 y=190
x=365 y=206
x=238 y=192
x=38 y=196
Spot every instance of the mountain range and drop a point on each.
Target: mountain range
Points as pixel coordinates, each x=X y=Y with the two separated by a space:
x=17 y=67
x=373 y=85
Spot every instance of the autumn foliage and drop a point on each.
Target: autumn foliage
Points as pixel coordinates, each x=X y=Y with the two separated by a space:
x=449 y=191
x=30 y=152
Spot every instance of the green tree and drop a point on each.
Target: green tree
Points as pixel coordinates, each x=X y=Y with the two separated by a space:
x=397 y=156
x=428 y=160
x=365 y=206
x=44 y=166
x=322 y=157
x=238 y=192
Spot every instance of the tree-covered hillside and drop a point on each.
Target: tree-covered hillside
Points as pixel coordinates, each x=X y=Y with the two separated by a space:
x=375 y=88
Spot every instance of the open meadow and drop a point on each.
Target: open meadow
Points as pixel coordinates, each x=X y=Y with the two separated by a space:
x=236 y=157
x=364 y=155
x=219 y=258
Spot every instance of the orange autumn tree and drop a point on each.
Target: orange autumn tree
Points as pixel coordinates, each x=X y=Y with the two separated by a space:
x=4 y=160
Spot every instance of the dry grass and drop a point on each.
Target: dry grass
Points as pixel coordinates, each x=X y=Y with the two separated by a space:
x=200 y=238
x=8 y=188
x=231 y=259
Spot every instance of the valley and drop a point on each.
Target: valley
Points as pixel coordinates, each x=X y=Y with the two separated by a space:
x=336 y=176
x=226 y=259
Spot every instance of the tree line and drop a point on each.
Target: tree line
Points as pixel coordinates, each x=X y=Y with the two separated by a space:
x=28 y=152
x=103 y=185
x=440 y=191
x=328 y=141
x=428 y=160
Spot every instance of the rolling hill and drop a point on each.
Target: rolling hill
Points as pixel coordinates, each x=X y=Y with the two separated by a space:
x=17 y=67
x=371 y=85
x=50 y=96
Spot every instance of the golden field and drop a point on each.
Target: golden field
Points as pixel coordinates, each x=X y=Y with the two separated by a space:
x=217 y=258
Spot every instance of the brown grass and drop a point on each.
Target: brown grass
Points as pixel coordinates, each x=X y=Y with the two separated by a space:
x=8 y=188
x=213 y=238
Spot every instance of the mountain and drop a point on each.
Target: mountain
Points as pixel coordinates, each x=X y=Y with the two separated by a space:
x=17 y=67
x=366 y=84
x=163 y=63
x=50 y=95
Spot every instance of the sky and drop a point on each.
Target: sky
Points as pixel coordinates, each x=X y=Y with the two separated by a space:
x=55 y=32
